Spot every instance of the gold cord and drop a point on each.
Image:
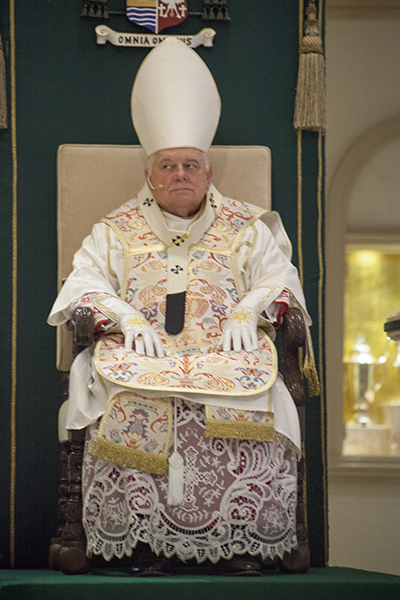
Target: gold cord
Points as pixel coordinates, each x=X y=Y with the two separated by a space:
x=14 y=287
x=321 y=272
x=300 y=230
x=299 y=171
x=320 y=336
x=299 y=208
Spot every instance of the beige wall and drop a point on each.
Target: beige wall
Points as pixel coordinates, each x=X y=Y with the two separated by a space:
x=364 y=516
x=363 y=113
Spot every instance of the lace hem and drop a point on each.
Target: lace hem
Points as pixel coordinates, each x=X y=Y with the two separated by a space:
x=243 y=541
x=239 y=497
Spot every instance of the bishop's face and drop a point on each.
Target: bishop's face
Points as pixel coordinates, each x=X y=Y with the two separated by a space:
x=179 y=180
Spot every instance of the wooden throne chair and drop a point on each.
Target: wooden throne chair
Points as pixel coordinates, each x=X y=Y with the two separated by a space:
x=91 y=181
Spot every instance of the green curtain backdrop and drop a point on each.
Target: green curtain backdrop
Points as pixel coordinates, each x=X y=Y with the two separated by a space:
x=70 y=90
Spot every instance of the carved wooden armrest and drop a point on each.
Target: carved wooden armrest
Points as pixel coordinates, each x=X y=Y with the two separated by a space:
x=293 y=338
x=82 y=327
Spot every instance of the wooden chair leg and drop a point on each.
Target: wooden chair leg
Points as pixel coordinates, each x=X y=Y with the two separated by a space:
x=68 y=550
x=297 y=561
x=72 y=558
x=56 y=542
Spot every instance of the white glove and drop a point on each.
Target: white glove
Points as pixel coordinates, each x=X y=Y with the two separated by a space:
x=241 y=329
x=136 y=329
x=133 y=325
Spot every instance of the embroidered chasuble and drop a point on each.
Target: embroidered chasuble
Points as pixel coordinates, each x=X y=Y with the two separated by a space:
x=163 y=265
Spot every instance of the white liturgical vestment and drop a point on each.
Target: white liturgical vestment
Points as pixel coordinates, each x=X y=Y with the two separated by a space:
x=239 y=495
x=99 y=267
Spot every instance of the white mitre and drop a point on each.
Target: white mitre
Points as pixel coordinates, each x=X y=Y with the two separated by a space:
x=175 y=101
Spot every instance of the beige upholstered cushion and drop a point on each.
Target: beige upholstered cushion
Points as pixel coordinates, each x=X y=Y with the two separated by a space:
x=93 y=180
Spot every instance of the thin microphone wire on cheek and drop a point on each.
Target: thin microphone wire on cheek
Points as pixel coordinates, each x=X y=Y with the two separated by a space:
x=151 y=186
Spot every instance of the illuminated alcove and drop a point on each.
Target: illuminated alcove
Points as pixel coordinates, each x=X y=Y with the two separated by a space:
x=371 y=383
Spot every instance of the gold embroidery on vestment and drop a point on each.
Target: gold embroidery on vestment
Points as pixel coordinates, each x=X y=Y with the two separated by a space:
x=252 y=247
x=127 y=457
x=110 y=269
x=270 y=409
x=210 y=250
x=98 y=302
x=117 y=231
x=238 y=429
x=153 y=460
x=235 y=250
x=145 y=250
x=186 y=365
x=190 y=371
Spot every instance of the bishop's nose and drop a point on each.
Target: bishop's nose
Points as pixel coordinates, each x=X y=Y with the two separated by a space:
x=180 y=172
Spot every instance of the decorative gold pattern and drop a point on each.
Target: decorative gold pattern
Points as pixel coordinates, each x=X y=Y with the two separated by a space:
x=199 y=369
x=239 y=424
x=192 y=361
x=110 y=269
x=220 y=252
x=235 y=249
x=151 y=463
x=180 y=239
x=144 y=250
x=136 y=321
x=242 y=316
x=135 y=432
x=271 y=292
x=254 y=243
x=99 y=303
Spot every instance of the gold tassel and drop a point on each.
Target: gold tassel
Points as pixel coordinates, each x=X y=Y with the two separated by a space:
x=309 y=368
x=310 y=373
x=3 y=95
x=309 y=111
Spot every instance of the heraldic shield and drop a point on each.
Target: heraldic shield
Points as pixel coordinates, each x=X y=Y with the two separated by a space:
x=156 y=15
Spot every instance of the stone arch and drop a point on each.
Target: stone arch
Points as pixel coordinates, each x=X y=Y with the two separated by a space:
x=338 y=196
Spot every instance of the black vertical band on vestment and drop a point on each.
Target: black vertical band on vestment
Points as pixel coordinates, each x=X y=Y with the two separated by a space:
x=175 y=313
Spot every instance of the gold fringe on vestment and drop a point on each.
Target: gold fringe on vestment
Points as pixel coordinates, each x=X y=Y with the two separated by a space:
x=240 y=430
x=129 y=457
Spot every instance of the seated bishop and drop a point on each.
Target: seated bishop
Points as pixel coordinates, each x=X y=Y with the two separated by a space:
x=192 y=436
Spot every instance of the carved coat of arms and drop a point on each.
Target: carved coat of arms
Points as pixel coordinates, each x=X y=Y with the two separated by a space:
x=156 y=15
